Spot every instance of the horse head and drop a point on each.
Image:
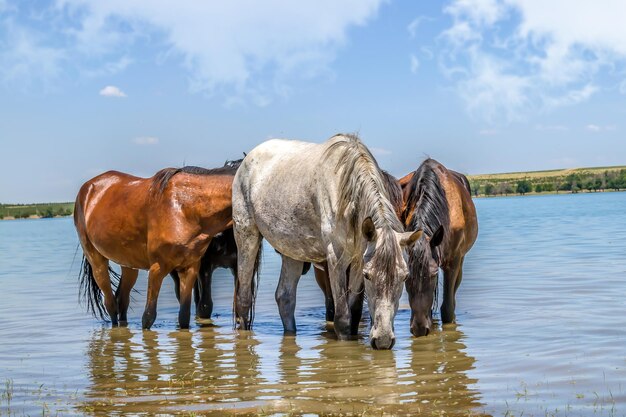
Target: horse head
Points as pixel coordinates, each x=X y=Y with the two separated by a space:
x=424 y=262
x=385 y=270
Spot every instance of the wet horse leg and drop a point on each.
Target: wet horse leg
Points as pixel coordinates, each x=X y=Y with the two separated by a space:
x=155 y=279
x=202 y=296
x=129 y=278
x=459 y=277
x=100 y=268
x=248 y=240
x=355 y=299
x=286 y=292
x=337 y=277
x=450 y=278
x=188 y=277
x=321 y=276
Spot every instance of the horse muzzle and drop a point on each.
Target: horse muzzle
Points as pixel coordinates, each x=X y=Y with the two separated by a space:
x=421 y=327
x=385 y=341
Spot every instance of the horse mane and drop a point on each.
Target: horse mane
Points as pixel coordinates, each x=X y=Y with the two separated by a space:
x=426 y=205
x=362 y=194
x=427 y=209
x=395 y=192
x=362 y=189
x=163 y=177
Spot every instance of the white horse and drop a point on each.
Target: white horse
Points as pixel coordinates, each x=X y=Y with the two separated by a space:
x=321 y=203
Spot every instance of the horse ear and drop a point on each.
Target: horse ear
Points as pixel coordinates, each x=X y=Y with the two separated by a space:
x=409 y=238
x=369 y=231
x=437 y=237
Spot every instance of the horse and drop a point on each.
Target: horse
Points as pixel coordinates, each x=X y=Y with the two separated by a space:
x=437 y=200
x=163 y=223
x=321 y=276
x=321 y=203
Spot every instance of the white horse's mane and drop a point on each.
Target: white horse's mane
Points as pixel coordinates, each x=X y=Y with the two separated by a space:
x=361 y=185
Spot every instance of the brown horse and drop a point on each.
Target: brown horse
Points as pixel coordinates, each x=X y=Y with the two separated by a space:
x=164 y=223
x=437 y=200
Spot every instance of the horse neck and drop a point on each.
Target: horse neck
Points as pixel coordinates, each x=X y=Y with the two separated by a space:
x=431 y=211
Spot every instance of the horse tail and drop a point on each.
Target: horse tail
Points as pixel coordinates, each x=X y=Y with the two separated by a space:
x=90 y=293
x=256 y=277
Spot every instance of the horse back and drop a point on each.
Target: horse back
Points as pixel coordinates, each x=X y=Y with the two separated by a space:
x=193 y=201
x=462 y=212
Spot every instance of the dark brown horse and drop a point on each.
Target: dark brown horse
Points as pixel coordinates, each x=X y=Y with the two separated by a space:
x=437 y=200
x=164 y=223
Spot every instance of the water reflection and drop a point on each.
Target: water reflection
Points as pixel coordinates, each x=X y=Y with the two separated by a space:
x=216 y=370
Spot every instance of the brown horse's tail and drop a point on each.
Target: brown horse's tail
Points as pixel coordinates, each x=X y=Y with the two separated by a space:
x=90 y=293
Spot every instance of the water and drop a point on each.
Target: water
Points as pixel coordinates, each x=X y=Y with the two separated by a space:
x=541 y=331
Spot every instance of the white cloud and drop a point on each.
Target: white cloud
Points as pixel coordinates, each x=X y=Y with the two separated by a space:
x=593 y=128
x=511 y=58
x=415 y=64
x=236 y=48
x=112 y=91
x=146 y=140
x=597 y=128
x=415 y=24
x=24 y=55
x=380 y=151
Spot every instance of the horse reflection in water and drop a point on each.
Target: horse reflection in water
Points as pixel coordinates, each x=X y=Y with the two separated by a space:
x=138 y=372
x=217 y=371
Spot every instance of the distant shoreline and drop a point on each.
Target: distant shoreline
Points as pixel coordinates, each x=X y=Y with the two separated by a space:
x=34 y=217
x=546 y=193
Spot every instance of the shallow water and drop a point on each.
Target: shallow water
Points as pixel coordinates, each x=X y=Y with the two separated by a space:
x=541 y=331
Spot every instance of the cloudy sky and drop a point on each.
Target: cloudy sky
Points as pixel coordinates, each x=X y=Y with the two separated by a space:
x=481 y=85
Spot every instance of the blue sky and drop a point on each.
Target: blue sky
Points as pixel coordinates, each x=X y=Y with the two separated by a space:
x=481 y=85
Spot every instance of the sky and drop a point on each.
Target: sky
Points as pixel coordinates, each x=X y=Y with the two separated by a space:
x=483 y=86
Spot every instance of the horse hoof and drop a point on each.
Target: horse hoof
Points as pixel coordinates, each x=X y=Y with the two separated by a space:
x=147 y=322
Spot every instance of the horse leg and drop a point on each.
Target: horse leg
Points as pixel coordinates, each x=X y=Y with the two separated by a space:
x=321 y=276
x=204 y=302
x=286 y=292
x=355 y=299
x=337 y=277
x=248 y=240
x=450 y=276
x=100 y=268
x=129 y=278
x=155 y=279
x=459 y=277
x=188 y=277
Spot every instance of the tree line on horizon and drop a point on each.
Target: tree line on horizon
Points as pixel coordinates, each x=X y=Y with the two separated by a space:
x=573 y=183
x=44 y=210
